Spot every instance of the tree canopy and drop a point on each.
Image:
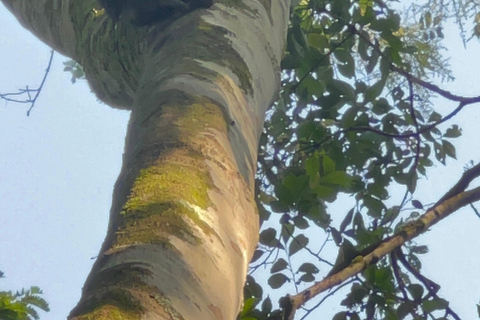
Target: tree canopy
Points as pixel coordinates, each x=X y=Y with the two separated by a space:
x=356 y=123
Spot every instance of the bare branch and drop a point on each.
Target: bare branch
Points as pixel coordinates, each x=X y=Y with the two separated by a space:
x=27 y=91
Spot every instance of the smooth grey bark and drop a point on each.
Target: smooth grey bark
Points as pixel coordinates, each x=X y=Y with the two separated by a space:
x=183 y=223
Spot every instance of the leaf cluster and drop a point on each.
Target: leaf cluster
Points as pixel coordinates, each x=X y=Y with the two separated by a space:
x=21 y=305
x=354 y=121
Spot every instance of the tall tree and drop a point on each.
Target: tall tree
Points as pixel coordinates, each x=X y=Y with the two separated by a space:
x=353 y=116
x=183 y=220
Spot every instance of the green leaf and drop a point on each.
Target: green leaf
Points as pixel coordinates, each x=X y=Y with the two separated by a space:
x=354 y=316
x=405 y=308
x=298 y=243
x=339 y=178
x=336 y=235
x=296 y=185
x=449 y=149
x=318 y=215
x=277 y=280
x=312 y=165
x=381 y=106
x=328 y=165
x=419 y=249
x=300 y=222
x=435 y=117
x=268 y=237
x=374 y=206
x=279 y=206
x=249 y=305
x=346 y=64
x=308 y=267
x=416 y=291
x=414 y=261
x=435 y=304
x=306 y=277
x=372 y=62
x=347 y=220
x=324 y=192
x=342 y=88
x=340 y=316
x=314 y=87
x=287 y=231
x=357 y=294
x=279 y=265
x=348 y=118
x=267 y=305
x=284 y=194
x=252 y=288
x=363 y=47
x=374 y=91
x=439 y=152
x=256 y=255
x=412 y=184
x=291 y=62
x=318 y=41
x=417 y=204
x=453 y=132
x=306 y=130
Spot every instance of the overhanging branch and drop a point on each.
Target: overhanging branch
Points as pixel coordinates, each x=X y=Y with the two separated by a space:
x=453 y=200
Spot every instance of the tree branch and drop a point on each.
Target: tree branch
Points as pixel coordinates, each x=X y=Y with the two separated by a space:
x=453 y=200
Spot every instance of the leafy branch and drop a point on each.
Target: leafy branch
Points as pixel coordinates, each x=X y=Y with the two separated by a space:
x=453 y=200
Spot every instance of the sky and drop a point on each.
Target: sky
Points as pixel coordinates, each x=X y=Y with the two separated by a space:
x=58 y=167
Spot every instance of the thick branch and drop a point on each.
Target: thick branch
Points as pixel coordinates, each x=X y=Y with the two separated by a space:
x=467 y=177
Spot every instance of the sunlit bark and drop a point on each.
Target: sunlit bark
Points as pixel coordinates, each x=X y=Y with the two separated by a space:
x=183 y=222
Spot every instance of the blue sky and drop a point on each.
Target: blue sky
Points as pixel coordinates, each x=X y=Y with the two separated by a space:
x=57 y=170
x=58 y=167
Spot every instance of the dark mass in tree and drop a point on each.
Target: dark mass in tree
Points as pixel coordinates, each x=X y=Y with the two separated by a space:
x=145 y=12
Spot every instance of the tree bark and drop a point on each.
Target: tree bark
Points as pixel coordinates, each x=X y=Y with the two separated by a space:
x=183 y=223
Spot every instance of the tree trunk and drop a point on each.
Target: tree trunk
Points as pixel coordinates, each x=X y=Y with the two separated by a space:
x=183 y=223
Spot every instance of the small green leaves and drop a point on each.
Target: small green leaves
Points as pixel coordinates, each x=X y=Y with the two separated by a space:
x=374 y=91
x=453 y=132
x=267 y=305
x=357 y=294
x=277 y=280
x=279 y=265
x=268 y=237
x=309 y=270
x=416 y=291
x=353 y=119
x=248 y=306
x=340 y=316
x=23 y=304
x=419 y=249
x=435 y=304
x=449 y=149
x=297 y=243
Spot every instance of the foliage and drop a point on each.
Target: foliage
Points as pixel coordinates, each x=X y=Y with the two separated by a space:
x=21 y=304
x=354 y=122
x=75 y=69
x=432 y=13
